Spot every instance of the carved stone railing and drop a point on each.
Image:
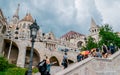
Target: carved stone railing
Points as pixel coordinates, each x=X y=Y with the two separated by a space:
x=95 y=66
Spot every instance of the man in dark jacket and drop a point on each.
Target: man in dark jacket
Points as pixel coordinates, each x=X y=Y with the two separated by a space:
x=79 y=57
x=42 y=67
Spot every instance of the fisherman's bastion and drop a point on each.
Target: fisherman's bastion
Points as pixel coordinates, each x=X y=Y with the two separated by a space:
x=15 y=44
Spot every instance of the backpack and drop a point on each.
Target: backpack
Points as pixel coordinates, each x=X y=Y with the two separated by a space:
x=42 y=66
x=104 y=49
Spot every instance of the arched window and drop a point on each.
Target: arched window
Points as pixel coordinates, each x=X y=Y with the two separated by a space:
x=49 y=38
x=28 y=26
x=93 y=31
x=17 y=28
x=24 y=25
x=79 y=44
x=16 y=37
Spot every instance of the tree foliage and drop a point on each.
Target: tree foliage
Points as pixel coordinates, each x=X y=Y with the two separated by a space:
x=107 y=36
x=3 y=64
x=90 y=43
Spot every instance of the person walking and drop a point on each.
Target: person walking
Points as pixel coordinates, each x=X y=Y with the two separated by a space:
x=112 y=48
x=48 y=65
x=104 y=49
x=98 y=53
x=42 y=67
x=65 y=61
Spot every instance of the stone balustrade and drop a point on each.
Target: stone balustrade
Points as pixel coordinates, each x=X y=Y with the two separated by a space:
x=95 y=66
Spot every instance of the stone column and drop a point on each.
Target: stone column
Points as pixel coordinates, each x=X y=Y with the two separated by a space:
x=21 y=55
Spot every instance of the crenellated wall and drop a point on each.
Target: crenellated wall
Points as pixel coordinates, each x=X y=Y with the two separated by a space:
x=95 y=66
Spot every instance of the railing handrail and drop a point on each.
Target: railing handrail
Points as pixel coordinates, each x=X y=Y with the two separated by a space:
x=81 y=63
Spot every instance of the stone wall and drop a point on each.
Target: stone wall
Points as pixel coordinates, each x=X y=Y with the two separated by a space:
x=41 y=51
x=95 y=66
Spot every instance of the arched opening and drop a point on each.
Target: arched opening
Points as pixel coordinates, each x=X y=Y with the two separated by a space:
x=79 y=44
x=94 y=39
x=10 y=52
x=36 y=57
x=54 y=59
x=4 y=29
x=24 y=25
x=70 y=61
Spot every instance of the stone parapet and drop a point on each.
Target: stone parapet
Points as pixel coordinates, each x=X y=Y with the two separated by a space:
x=95 y=66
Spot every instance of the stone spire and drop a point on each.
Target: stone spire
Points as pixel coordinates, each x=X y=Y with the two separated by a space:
x=94 y=29
x=17 y=12
x=93 y=24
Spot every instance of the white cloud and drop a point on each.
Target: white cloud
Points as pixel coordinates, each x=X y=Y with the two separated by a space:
x=110 y=12
x=64 y=15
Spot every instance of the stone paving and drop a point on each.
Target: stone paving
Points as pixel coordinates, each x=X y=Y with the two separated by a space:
x=54 y=69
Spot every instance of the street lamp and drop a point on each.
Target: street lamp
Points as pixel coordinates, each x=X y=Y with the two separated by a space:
x=33 y=33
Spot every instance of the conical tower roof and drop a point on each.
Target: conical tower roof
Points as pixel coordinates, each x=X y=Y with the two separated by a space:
x=17 y=12
x=93 y=24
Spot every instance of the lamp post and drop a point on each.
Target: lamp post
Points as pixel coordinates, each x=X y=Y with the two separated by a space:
x=33 y=33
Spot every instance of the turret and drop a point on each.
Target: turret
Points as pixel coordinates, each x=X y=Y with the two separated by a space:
x=16 y=14
x=94 y=29
x=15 y=18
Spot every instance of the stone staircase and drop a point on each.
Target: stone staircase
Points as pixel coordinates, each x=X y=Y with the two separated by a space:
x=95 y=66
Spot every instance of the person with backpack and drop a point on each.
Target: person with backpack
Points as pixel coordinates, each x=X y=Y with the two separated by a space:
x=65 y=61
x=104 y=49
x=48 y=65
x=98 y=53
x=42 y=67
x=112 y=48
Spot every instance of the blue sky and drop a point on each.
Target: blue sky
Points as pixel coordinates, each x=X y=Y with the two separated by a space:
x=61 y=16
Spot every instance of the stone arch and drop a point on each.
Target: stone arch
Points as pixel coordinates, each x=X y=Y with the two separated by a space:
x=79 y=44
x=54 y=59
x=4 y=29
x=36 y=57
x=14 y=51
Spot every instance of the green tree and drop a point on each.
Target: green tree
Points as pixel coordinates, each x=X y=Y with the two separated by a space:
x=3 y=64
x=107 y=36
x=90 y=43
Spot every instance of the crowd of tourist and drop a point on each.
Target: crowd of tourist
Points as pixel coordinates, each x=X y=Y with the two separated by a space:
x=106 y=51
x=96 y=52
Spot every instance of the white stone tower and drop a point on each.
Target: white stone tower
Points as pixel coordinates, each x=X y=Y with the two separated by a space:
x=94 y=30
